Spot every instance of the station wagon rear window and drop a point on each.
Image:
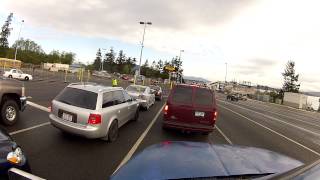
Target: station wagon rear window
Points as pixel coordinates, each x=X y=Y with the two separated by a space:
x=78 y=97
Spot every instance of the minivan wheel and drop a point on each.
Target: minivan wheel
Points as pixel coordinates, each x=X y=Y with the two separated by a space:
x=113 y=131
x=26 y=78
x=9 y=112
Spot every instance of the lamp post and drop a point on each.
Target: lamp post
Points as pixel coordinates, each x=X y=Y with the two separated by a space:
x=105 y=51
x=225 y=77
x=15 y=54
x=142 y=46
x=180 y=75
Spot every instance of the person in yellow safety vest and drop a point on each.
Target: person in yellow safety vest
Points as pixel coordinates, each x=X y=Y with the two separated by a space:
x=114 y=82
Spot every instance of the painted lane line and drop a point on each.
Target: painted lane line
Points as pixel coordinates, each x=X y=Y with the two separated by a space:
x=276 y=119
x=273 y=131
x=225 y=137
x=276 y=113
x=30 y=128
x=38 y=106
x=138 y=142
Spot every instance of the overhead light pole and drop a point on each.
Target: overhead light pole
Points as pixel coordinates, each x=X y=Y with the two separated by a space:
x=180 y=75
x=15 y=54
x=142 y=46
x=105 y=51
x=225 y=77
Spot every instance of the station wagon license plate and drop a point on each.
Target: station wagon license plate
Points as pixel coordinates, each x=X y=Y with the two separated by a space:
x=67 y=117
x=198 y=114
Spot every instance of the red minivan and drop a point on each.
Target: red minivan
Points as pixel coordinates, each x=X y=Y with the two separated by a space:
x=190 y=108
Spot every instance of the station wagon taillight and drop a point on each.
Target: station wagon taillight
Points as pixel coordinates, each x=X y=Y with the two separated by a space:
x=166 y=108
x=94 y=119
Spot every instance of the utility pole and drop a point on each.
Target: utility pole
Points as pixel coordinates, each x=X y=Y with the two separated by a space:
x=225 y=77
x=180 y=75
x=15 y=54
x=102 y=60
x=142 y=46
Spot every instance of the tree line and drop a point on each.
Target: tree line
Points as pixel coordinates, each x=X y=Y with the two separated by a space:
x=28 y=50
x=112 y=62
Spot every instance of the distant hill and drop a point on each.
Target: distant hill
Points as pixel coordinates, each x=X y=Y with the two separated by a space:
x=312 y=93
x=192 y=78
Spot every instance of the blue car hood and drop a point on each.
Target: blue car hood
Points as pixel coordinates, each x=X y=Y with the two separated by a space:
x=175 y=160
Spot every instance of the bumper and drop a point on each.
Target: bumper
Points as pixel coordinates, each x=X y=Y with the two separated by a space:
x=143 y=103
x=77 y=129
x=23 y=103
x=188 y=126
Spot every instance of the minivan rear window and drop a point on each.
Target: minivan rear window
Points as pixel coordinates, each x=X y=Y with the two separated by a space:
x=78 y=97
x=203 y=97
x=182 y=95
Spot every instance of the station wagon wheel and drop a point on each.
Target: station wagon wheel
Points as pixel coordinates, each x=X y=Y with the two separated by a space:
x=113 y=131
x=136 y=116
x=26 y=78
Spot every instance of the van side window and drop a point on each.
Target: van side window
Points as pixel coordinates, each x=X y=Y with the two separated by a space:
x=126 y=96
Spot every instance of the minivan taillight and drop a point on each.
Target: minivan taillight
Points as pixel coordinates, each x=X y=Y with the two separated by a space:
x=94 y=119
x=165 y=110
x=215 y=115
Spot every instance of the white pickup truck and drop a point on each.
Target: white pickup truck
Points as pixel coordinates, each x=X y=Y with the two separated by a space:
x=17 y=74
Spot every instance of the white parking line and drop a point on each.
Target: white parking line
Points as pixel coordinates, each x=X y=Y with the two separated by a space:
x=285 y=137
x=276 y=119
x=30 y=128
x=138 y=142
x=38 y=106
x=225 y=137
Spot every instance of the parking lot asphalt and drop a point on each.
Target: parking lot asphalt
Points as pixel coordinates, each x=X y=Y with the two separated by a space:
x=55 y=155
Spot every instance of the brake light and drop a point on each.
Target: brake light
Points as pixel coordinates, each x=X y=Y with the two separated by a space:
x=94 y=119
x=215 y=115
x=50 y=107
x=166 y=108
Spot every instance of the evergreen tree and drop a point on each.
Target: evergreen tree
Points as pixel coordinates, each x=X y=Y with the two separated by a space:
x=97 y=61
x=120 y=60
x=5 y=32
x=290 y=78
x=109 y=60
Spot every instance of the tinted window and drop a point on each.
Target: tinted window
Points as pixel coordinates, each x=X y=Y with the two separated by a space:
x=126 y=96
x=107 y=100
x=78 y=97
x=182 y=95
x=203 y=97
x=118 y=97
x=136 y=88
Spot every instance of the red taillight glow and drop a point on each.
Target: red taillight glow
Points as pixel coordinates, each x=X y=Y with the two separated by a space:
x=166 y=108
x=215 y=115
x=50 y=107
x=94 y=119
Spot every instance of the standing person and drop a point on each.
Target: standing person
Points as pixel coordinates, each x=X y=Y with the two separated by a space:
x=114 y=82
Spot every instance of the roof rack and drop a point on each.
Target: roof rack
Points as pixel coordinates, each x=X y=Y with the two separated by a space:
x=83 y=83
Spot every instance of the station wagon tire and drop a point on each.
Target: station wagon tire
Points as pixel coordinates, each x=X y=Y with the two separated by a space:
x=136 y=115
x=26 y=78
x=10 y=76
x=113 y=131
x=9 y=112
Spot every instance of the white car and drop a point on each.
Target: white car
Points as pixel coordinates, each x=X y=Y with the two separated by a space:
x=17 y=74
x=142 y=94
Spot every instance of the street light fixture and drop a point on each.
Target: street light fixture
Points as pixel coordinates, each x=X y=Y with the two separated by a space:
x=144 y=31
x=15 y=54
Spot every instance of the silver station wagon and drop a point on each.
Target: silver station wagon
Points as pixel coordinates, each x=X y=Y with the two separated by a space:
x=93 y=111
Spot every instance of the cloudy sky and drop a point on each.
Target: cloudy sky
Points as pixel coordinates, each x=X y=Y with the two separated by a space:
x=254 y=37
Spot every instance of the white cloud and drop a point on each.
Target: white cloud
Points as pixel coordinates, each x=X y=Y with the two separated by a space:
x=211 y=32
